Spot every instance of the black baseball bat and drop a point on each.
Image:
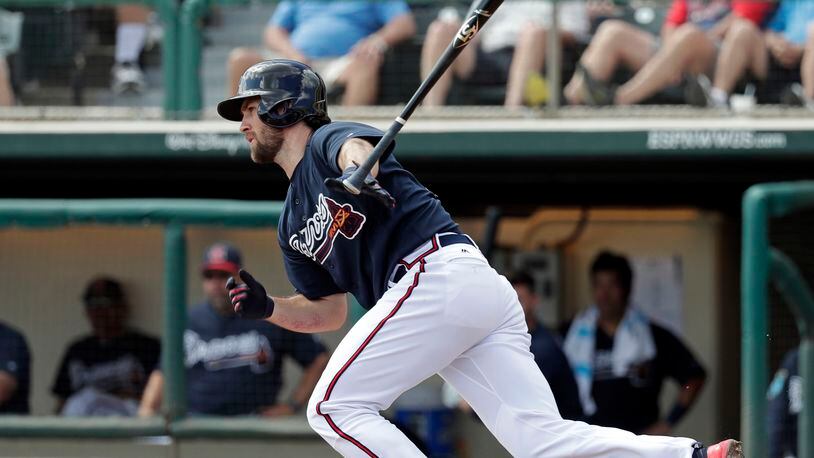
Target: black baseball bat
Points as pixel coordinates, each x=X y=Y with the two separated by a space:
x=477 y=18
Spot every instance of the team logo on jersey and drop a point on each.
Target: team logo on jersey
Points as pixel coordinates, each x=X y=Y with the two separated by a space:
x=316 y=239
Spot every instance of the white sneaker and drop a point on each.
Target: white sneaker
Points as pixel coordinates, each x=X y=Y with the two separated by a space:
x=127 y=78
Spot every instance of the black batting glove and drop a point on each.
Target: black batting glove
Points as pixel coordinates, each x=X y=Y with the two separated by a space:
x=371 y=187
x=249 y=299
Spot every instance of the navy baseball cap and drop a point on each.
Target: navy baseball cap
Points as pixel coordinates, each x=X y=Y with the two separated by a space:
x=223 y=257
x=103 y=292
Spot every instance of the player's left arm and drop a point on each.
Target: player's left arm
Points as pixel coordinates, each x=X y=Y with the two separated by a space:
x=353 y=152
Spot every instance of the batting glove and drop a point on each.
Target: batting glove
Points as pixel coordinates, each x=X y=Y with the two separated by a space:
x=371 y=187
x=249 y=299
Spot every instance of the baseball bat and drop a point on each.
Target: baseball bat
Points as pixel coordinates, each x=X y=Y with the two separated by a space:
x=476 y=19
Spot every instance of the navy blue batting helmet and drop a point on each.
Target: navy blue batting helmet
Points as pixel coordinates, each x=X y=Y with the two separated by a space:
x=289 y=91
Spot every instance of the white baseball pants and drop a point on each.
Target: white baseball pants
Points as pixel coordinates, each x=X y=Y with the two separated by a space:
x=452 y=314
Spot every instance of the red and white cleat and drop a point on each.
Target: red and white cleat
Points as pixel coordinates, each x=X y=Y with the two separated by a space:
x=729 y=448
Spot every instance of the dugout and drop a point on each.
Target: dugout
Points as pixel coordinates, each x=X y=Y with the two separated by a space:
x=653 y=187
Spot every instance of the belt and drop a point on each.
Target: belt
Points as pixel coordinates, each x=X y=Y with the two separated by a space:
x=431 y=246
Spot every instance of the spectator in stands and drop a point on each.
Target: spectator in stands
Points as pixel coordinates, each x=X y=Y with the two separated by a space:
x=345 y=42
x=234 y=366
x=620 y=358
x=785 y=404
x=690 y=38
x=787 y=45
x=15 y=371
x=131 y=36
x=510 y=50
x=104 y=373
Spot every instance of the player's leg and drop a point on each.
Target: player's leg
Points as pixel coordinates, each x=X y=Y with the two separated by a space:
x=499 y=379
x=439 y=36
x=408 y=336
x=615 y=43
x=743 y=49
x=689 y=49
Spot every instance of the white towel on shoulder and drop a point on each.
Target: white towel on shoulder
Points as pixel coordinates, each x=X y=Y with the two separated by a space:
x=632 y=344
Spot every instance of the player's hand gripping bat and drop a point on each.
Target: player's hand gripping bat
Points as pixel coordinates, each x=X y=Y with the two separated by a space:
x=476 y=19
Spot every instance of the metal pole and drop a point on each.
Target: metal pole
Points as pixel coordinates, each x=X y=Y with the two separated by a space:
x=754 y=320
x=190 y=102
x=175 y=314
x=168 y=12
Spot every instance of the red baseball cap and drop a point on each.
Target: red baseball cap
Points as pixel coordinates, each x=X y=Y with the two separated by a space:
x=223 y=257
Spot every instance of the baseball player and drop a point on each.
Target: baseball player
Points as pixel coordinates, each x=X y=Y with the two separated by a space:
x=435 y=306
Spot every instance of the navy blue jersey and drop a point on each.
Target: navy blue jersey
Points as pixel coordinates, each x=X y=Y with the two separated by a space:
x=554 y=365
x=785 y=403
x=334 y=242
x=234 y=366
x=16 y=361
x=117 y=366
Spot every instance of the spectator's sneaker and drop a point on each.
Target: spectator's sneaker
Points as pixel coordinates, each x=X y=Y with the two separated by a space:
x=729 y=448
x=795 y=96
x=597 y=93
x=127 y=77
x=698 y=91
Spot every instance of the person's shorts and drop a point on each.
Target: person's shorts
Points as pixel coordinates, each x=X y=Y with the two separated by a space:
x=329 y=68
x=492 y=68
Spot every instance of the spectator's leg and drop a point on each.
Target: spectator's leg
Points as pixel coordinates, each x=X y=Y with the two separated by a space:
x=361 y=81
x=131 y=34
x=6 y=92
x=615 y=43
x=807 y=65
x=689 y=49
x=439 y=35
x=743 y=49
x=529 y=57
x=240 y=59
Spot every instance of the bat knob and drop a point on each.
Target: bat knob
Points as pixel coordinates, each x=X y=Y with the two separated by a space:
x=337 y=184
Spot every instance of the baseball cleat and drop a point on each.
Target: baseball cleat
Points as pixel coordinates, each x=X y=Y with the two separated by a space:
x=729 y=448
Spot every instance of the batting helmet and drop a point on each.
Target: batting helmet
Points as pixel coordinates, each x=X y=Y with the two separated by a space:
x=289 y=91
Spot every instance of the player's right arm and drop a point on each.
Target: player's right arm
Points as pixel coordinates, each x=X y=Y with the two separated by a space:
x=150 y=404
x=300 y=314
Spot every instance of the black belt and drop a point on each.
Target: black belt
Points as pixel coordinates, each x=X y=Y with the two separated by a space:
x=443 y=240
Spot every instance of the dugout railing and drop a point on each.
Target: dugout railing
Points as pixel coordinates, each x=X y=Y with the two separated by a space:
x=760 y=264
x=175 y=216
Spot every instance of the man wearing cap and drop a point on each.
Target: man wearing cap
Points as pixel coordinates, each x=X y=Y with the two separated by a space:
x=104 y=373
x=234 y=366
x=15 y=371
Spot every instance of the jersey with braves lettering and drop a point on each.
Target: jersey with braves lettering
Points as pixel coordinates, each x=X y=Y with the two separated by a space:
x=335 y=242
x=234 y=366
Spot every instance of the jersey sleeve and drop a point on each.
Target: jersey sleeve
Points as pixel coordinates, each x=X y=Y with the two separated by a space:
x=303 y=348
x=328 y=140
x=679 y=362
x=284 y=16
x=308 y=277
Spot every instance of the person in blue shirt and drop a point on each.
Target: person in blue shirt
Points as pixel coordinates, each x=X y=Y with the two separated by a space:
x=786 y=45
x=234 y=366
x=15 y=371
x=434 y=305
x=345 y=41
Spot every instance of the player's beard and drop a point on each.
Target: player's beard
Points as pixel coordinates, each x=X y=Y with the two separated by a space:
x=267 y=145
